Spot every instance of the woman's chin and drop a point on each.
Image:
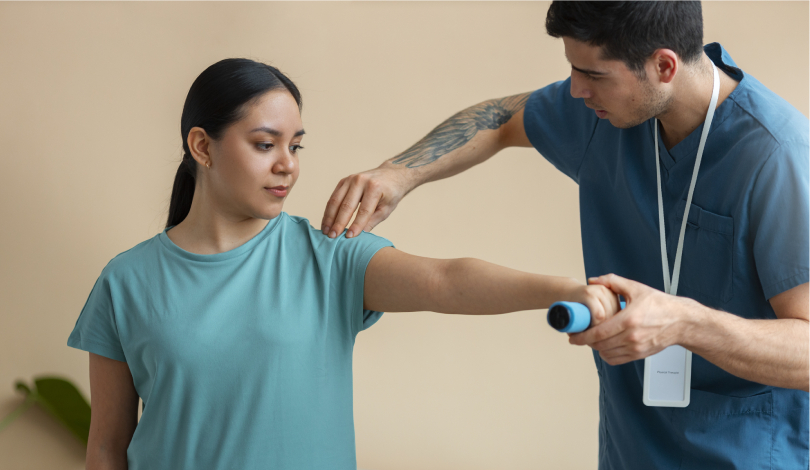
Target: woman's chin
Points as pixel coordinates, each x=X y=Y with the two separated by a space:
x=268 y=213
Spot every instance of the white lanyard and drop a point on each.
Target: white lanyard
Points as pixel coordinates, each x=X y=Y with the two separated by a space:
x=672 y=287
x=668 y=374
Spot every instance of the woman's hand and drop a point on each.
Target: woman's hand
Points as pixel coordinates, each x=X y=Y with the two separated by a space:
x=652 y=321
x=601 y=301
x=377 y=191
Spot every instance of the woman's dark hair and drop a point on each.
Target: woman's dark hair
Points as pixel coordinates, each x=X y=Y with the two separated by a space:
x=631 y=31
x=217 y=99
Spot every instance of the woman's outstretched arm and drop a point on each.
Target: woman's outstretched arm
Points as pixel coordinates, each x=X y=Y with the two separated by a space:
x=399 y=282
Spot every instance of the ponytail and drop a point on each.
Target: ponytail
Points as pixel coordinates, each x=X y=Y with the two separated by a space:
x=182 y=191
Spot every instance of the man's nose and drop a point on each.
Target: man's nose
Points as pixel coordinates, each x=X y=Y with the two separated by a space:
x=579 y=89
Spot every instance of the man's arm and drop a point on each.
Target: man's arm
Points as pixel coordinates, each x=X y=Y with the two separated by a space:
x=462 y=141
x=770 y=352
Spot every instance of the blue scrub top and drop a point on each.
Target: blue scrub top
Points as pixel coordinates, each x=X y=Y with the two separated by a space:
x=243 y=359
x=746 y=241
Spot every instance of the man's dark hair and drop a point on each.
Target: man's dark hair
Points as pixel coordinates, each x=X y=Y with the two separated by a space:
x=631 y=31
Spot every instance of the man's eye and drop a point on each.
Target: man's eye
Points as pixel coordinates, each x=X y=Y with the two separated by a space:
x=264 y=146
x=587 y=76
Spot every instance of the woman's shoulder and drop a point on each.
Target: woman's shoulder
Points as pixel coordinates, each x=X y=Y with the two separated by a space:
x=131 y=260
x=318 y=239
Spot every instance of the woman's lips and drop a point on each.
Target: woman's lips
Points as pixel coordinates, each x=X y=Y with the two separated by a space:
x=279 y=191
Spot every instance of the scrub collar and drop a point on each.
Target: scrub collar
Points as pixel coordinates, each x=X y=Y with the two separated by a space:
x=686 y=149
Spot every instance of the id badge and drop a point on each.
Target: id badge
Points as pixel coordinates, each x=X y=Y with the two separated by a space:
x=668 y=378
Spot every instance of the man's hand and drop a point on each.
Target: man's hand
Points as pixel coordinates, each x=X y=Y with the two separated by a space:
x=376 y=191
x=650 y=322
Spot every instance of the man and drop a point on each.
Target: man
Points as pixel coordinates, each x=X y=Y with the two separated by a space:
x=742 y=302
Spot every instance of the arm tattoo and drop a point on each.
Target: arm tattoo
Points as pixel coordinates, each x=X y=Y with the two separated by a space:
x=460 y=129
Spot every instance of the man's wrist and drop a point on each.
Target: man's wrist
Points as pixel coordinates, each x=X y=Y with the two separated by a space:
x=409 y=178
x=694 y=320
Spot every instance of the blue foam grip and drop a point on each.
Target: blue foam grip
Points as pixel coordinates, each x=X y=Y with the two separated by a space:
x=579 y=316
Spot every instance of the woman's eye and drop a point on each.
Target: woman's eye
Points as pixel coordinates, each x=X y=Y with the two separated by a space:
x=264 y=146
x=295 y=148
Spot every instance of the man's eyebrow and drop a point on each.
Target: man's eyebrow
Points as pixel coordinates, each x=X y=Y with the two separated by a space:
x=585 y=71
x=276 y=132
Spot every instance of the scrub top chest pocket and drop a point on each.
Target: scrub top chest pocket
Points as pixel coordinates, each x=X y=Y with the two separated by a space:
x=707 y=264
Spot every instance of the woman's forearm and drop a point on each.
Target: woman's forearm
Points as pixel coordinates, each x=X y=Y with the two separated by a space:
x=474 y=287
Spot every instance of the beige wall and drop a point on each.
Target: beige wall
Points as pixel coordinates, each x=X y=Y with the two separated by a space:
x=90 y=103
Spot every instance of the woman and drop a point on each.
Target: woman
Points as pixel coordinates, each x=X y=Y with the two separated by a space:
x=235 y=325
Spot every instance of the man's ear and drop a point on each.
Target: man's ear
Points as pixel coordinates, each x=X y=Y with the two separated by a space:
x=198 y=142
x=663 y=65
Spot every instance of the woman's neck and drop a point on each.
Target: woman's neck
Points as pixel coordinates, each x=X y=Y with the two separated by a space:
x=208 y=230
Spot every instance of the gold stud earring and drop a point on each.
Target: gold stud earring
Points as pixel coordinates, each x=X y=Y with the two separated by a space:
x=208 y=165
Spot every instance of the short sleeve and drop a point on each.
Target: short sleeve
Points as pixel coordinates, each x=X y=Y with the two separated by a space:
x=780 y=219
x=559 y=126
x=352 y=256
x=95 y=330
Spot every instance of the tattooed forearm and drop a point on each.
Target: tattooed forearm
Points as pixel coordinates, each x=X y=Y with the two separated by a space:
x=460 y=129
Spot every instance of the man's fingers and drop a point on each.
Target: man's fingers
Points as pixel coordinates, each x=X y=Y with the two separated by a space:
x=368 y=205
x=378 y=216
x=614 y=342
x=615 y=303
x=346 y=210
x=333 y=205
x=618 y=284
x=617 y=360
x=601 y=332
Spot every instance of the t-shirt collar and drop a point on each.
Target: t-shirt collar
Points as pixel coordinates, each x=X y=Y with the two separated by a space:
x=240 y=250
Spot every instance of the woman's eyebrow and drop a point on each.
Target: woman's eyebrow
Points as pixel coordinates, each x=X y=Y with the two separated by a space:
x=275 y=132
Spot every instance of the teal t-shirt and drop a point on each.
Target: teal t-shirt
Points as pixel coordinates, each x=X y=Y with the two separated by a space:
x=243 y=359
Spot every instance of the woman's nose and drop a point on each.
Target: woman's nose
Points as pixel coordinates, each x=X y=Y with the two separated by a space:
x=286 y=163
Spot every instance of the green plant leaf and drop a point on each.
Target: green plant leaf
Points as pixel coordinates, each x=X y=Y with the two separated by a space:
x=65 y=402
x=19 y=409
x=20 y=386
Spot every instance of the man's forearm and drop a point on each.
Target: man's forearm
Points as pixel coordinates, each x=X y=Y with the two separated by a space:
x=771 y=352
x=467 y=138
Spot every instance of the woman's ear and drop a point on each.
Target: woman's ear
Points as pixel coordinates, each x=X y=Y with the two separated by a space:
x=198 y=143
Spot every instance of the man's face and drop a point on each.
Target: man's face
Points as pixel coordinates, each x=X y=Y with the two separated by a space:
x=612 y=90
